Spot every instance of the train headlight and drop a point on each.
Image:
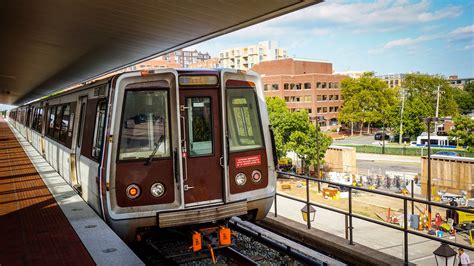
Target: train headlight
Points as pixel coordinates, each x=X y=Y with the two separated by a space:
x=256 y=176
x=133 y=191
x=240 y=179
x=157 y=190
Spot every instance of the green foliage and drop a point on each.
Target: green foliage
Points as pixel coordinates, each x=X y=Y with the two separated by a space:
x=465 y=98
x=464 y=132
x=420 y=101
x=367 y=100
x=294 y=132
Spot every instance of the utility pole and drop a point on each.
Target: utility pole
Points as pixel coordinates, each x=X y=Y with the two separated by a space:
x=383 y=134
x=318 y=176
x=436 y=115
x=401 y=118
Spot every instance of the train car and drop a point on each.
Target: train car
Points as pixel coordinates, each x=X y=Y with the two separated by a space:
x=161 y=147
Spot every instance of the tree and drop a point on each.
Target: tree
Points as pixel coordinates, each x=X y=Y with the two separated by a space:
x=465 y=98
x=463 y=131
x=294 y=132
x=421 y=97
x=304 y=145
x=366 y=100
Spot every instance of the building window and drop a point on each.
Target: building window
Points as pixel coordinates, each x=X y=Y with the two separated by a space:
x=319 y=109
x=286 y=86
x=307 y=98
x=309 y=110
x=324 y=85
x=318 y=85
x=325 y=109
x=336 y=97
x=330 y=85
x=265 y=87
x=274 y=87
x=325 y=97
x=319 y=98
x=307 y=86
x=336 y=85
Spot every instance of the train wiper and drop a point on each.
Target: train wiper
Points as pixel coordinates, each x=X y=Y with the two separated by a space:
x=157 y=145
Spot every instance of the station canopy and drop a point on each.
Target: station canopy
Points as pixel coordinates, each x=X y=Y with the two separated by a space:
x=49 y=45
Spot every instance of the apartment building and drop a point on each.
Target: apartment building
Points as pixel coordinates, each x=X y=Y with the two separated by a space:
x=246 y=57
x=457 y=82
x=392 y=80
x=305 y=84
x=210 y=63
x=185 y=58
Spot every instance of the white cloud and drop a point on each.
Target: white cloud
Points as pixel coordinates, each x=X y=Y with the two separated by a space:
x=462 y=32
x=408 y=41
x=378 y=14
x=469 y=47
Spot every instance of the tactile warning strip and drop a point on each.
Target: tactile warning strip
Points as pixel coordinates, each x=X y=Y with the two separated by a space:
x=33 y=229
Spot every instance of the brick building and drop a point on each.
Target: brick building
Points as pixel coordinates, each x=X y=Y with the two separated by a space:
x=304 y=84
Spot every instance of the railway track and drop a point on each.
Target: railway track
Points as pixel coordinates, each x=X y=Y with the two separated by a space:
x=252 y=245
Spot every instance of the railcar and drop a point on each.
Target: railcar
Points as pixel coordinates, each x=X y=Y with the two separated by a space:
x=163 y=147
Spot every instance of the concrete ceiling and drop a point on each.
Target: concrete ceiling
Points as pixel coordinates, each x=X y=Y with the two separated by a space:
x=49 y=45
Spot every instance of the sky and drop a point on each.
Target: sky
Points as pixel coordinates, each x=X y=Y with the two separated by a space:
x=384 y=36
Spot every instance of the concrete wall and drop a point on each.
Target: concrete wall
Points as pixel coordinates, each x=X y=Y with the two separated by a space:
x=451 y=174
x=341 y=159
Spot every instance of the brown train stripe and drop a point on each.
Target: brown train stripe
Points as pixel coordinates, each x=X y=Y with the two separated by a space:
x=34 y=230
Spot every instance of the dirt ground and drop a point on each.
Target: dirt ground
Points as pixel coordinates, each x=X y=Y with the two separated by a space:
x=366 y=204
x=363 y=203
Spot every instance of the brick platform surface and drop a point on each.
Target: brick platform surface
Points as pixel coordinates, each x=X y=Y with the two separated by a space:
x=33 y=229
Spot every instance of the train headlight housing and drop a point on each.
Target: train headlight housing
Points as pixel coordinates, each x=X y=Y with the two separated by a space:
x=256 y=176
x=157 y=190
x=240 y=179
x=133 y=191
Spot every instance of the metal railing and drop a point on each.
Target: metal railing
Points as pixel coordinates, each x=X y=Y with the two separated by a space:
x=350 y=215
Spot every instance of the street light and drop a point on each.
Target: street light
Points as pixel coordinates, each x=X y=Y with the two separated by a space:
x=428 y=121
x=445 y=255
x=312 y=213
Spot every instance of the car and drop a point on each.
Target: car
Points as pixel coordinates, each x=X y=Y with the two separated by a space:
x=396 y=138
x=380 y=135
x=447 y=153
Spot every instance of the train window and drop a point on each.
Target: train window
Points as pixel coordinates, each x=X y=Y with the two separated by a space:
x=243 y=120
x=99 y=129
x=145 y=125
x=199 y=126
x=57 y=122
x=52 y=113
x=39 y=122
x=64 y=124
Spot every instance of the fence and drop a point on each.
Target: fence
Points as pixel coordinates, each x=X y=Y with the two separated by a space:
x=404 y=150
x=349 y=215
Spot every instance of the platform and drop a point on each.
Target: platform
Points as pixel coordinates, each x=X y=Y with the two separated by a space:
x=43 y=221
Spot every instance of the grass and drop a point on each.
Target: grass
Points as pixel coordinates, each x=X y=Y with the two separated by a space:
x=407 y=151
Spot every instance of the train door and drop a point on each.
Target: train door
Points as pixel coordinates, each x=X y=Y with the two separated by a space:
x=202 y=146
x=81 y=103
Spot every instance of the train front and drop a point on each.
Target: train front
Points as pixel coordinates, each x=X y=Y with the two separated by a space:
x=186 y=147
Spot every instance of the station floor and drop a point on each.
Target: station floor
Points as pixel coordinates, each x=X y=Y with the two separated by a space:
x=34 y=230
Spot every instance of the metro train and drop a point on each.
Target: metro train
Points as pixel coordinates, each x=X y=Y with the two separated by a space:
x=162 y=147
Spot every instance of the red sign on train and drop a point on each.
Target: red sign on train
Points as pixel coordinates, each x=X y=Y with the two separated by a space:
x=248 y=161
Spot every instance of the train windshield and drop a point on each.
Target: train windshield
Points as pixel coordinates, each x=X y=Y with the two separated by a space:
x=145 y=128
x=243 y=120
